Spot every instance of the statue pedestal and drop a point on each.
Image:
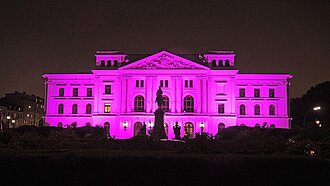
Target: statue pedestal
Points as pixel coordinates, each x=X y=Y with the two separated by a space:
x=159 y=131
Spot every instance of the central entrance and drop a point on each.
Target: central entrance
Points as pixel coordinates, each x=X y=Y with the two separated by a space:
x=189 y=130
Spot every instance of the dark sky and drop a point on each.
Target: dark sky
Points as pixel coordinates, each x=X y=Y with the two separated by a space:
x=38 y=37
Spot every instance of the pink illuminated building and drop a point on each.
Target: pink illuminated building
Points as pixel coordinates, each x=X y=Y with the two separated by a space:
x=201 y=92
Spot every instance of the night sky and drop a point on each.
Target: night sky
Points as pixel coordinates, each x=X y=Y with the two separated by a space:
x=38 y=37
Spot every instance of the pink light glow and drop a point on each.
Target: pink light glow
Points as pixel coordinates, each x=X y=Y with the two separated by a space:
x=208 y=88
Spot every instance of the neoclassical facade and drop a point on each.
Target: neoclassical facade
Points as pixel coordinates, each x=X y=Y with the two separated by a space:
x=201 y=92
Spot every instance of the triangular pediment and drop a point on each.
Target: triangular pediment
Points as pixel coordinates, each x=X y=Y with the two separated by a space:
x=164 y=60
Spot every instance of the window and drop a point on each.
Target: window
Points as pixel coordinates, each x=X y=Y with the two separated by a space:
x=115 y=63
x=107 y=108
x=89 y=92
x=60 y=125
x=271 y=93
x=227 y=63
x=191 y=83
x=241 y=92
x=188 y=104
x=60 y=108
x=102 y=63
x=214 y=63
x=109 y=63
x=242 y=110
x=139 y=83
x=164 y=83
x=186 y=83
x=74 y=109
x=61 y=92
x=107 y=89
x=220 y=63
x=166 y=103
x=75 y=92
x=221 y=108
x=256 y=109
x=257 y=93
x=88 y=109
x=272 y=126
x=139 y=104
x=272 y=110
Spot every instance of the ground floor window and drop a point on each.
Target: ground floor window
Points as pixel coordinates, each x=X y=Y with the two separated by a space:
x=137 y=128
x=221 y=126
x=60 y=125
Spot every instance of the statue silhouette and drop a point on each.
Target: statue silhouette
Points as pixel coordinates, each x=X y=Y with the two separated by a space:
x=159 y=98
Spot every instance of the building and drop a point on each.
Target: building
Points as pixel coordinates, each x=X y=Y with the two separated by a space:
x=201 y=92
x=31 y=106
x=11 y=116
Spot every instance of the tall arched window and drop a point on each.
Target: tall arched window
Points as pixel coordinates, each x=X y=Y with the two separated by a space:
x=102 y=63
x=166 y=104
x=88 y=109
x=115 y=63
x=60 y=108
x=74 y=109
x=188 y=105
x=272 y=110
x=256 y=109
x=139 y=104
x=242 y=109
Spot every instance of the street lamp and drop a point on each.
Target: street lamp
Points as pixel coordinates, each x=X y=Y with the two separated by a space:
x=125 y=125
x=150 y=125
x=13 y=123
x=8 y=118
x=201 y=125
x=317 y=108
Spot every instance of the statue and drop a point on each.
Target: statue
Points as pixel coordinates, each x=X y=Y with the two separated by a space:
x=159 y=132
x=159 y=98
x=176 y=129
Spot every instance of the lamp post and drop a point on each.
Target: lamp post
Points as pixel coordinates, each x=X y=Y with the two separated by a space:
x=8 y=118
x=314 y=109
x=13 y=123
x=201 y=125
x=150 y=125
x=125 y=125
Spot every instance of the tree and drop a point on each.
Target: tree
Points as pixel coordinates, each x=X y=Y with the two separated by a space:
x=318 y=95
